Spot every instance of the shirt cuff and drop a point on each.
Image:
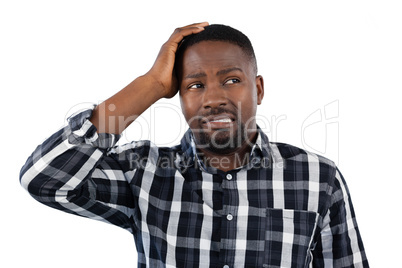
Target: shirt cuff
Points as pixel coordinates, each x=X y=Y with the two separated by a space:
x=84 y=132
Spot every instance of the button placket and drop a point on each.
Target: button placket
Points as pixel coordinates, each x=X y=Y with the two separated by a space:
x=229 y=211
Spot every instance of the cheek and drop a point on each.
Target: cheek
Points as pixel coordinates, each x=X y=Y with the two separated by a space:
x=248 y=107
x=188 y=107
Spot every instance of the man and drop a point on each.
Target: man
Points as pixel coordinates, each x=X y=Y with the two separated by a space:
x=224 y=197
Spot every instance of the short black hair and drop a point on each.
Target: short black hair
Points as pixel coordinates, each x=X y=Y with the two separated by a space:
x=220 y=32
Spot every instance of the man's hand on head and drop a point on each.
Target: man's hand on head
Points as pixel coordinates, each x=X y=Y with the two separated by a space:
x=159 y=82
x=162 y=72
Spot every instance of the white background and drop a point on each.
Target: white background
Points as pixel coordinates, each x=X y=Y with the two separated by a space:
x=340 y=60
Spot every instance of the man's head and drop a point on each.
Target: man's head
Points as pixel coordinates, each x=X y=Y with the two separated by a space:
x=224 y=33
x=219 y=88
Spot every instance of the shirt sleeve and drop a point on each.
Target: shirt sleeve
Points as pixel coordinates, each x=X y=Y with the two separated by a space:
x=339 y=244
x=73 y=172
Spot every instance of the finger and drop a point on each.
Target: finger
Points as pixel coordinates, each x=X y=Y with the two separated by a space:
x=198 y=24
x=180 y=33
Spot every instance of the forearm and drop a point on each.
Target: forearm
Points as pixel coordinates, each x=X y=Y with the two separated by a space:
x=119 y=111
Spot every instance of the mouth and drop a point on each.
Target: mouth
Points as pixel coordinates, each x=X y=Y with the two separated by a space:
x=220 y=121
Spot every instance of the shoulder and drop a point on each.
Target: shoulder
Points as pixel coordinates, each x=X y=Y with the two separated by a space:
x=291 y=152
x=295 y=158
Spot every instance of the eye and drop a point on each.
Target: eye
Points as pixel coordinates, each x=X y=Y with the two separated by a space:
x=232 y=81
x=195 y=86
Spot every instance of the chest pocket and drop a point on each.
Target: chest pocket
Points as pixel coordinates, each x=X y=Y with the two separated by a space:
x=288 y=238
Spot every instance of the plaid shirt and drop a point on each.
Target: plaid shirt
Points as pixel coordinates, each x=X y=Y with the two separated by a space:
x=285 y=207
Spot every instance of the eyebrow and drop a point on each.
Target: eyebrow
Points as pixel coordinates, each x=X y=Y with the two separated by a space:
x=220 y=72
x=228 y=70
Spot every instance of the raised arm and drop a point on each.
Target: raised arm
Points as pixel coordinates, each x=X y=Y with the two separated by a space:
x=118 y=112
x=74 y=170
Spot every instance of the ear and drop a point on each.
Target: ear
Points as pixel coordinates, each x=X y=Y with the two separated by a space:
x=259 y=82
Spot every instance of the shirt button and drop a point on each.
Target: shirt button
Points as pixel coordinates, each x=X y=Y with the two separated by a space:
x=229 y=177
x=229 y=217
x=226 y=266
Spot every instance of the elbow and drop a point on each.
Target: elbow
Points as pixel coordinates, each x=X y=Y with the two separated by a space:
x=25 y=176
x=33 y=185
x=45 y=185
x=38 y=184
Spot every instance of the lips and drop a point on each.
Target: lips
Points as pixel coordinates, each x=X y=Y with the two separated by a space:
x=219 y=121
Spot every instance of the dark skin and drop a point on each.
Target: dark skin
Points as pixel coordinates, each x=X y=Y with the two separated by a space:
x=219 y=93
x=215 y=75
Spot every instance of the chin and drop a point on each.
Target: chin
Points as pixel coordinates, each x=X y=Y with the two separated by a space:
x=221 y=141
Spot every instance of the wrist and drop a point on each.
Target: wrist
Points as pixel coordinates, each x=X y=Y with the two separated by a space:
x=158 y=86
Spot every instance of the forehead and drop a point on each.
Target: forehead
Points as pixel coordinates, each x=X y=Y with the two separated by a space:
x=213 y=55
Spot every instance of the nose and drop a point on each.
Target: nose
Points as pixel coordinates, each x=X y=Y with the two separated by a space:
x=214 y=96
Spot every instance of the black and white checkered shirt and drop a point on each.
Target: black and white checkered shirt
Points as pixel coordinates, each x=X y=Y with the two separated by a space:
x=285 y=208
